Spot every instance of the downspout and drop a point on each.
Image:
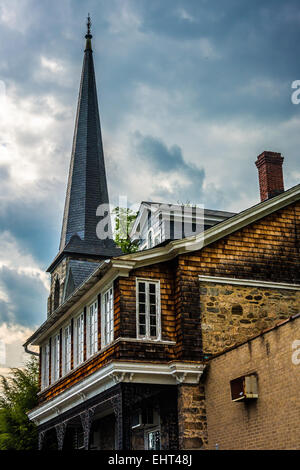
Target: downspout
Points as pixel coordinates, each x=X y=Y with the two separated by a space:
x=25 y=346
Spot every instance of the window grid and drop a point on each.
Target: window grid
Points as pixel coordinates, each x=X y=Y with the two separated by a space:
x=147 y=309
x=108 y=317
x=45 y=366
x=79 y=339
x=67 y=349
x=93 y=328
x=55 y=357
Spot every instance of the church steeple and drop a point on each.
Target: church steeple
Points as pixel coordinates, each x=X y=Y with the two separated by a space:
x=87 y=185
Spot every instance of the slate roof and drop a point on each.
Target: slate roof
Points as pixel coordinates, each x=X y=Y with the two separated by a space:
x=81 y=270
x=87 y=185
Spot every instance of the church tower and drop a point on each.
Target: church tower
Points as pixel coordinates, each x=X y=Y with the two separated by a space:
x=81 y=249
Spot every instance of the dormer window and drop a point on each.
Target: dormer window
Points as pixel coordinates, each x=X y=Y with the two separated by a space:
x=150 y=239
x=148 y=309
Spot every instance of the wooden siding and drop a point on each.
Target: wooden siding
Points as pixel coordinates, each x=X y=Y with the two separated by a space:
x=265 y=250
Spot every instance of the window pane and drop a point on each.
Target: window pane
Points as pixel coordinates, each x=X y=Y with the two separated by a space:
x=142 y=298
x=152 y=309
x=152 y=288
x=142 y=319
x=142 y=308
x=142 y=329
x=152 y=299
x=153 y=320
x=152 y=331
x=141 y=287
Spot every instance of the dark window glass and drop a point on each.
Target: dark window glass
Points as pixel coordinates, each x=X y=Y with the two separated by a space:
x=141 y=287
x=142 y=330
x=152 y=331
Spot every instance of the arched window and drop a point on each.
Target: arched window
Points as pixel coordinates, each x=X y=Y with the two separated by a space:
x=56 y=294
x=150 y=239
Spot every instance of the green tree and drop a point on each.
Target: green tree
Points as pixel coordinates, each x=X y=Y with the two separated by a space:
x=18 y=396
x=124 y=219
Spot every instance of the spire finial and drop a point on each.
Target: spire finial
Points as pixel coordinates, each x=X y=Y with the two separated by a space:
x=88 y=35
x=88 y=24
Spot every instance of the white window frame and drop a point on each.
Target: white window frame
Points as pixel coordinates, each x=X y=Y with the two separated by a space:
x=66 y=348
x=150 y=233
x=79 y=339
x=147 y=335
x=55 y=357
x=107 y=318
x=92 y=328
x=45 y=366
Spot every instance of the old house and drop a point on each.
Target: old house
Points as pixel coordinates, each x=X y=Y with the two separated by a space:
x=127 y=342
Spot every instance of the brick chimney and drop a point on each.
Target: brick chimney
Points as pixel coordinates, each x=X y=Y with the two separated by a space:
x=270 y=175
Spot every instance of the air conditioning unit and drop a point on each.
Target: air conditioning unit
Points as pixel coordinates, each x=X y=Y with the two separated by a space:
x=244 y=388
x=143 y=418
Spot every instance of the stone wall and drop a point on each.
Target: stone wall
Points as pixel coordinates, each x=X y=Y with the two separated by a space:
x=192 y=428
x=232 y=313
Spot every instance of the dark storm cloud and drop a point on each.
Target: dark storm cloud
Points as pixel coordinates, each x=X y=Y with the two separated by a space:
x=227 y=61
x=25 y=305
x=162 y=159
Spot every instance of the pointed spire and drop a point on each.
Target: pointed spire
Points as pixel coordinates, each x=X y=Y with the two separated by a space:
x=87 y=185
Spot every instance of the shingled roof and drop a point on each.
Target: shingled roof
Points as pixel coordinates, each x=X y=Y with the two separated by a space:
x=87 y=186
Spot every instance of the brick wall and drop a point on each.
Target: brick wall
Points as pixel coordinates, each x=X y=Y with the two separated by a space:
x=271 y=421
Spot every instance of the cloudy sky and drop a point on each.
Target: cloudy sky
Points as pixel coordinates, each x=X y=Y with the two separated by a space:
x=190 y=92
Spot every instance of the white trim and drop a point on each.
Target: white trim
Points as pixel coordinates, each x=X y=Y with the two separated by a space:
x=90 y=353
x=104 y=318
x=78 y=360
x=45 y=365
x=249 y=282
x=150 y=231
x=104 y=378
x=147 y=336
x=66 y=362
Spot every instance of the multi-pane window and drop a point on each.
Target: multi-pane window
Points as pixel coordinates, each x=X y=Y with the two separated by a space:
x=92 y=328
x=79 y=339
x=45 y=366
x=107 y=334
x=67 y=349
x=55 y=357
x=148 y=309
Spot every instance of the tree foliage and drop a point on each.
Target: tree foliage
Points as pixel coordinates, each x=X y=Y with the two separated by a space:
x=18 y=395
x=124 y=219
